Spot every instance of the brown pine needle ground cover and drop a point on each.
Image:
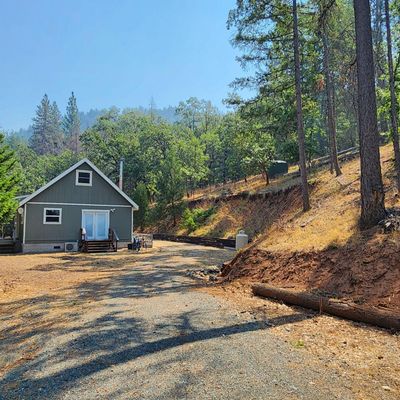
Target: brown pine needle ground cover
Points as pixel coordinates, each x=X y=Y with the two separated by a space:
x=365 y=357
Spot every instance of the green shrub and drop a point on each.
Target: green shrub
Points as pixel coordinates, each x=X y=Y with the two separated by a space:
x=193 y=219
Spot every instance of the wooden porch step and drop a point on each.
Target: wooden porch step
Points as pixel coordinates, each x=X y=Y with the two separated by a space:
x=98 y=246
x=7 y=248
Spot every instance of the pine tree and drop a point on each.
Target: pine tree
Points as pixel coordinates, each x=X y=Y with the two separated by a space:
x=299 y=111
x=41 y=127
x=56 y=136
x=393 y=99
x=71 y=125
x=9 y=178
x=372 y=194
x=47 y=134
x=324 y=9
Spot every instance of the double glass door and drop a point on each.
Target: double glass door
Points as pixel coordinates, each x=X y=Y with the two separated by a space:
x=96 y=223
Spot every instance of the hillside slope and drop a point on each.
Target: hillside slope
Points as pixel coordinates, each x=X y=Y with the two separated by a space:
x=250 y=205
x=323 y=250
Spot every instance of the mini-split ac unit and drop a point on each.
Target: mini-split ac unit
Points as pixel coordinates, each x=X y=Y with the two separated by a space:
x=71 y=246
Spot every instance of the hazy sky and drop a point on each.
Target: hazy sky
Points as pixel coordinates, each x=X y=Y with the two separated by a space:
x=112 y=52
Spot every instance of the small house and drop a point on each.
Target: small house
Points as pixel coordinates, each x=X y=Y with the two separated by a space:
x=80 y=209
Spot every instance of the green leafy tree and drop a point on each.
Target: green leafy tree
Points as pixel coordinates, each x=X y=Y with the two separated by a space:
x=198 y=115
x=31 y=167
x=170 y=186
x=112 y=137
x=9 y=178
x=37 y=170
x=140 y=196
x=212 y=149
x=191 y=153
x=260 y=153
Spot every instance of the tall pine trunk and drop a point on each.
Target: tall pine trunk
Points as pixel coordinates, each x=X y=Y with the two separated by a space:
x=393 y=100
x=299 y=111
x=379 y=56
x=372 y=194
x=330 y=103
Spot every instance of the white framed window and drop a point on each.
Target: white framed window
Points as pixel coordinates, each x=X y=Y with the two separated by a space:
x=83 y=178
x=52 y=216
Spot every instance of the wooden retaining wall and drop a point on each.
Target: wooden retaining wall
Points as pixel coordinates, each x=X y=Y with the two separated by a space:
x=243 y=196
x=204 y=241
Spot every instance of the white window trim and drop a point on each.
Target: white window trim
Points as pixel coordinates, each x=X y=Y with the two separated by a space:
x=77 y=183
x=52 y=223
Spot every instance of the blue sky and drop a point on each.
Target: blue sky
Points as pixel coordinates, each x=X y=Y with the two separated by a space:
x=112 y=52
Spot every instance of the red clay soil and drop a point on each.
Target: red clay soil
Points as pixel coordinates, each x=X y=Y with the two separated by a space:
x=365 y=273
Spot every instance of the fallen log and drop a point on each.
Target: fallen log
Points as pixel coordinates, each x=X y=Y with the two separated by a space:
x=353 y=312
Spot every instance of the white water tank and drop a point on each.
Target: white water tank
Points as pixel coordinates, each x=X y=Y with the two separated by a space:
x=241 y=240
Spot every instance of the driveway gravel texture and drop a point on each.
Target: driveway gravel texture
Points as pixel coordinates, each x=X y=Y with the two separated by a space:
x=137 y=326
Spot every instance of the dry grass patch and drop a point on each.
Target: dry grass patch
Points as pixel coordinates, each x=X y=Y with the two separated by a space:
x=333 y=218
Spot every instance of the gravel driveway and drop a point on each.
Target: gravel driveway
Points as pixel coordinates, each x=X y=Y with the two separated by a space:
x=145 y=331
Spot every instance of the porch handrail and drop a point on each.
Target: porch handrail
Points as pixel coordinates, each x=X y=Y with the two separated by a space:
x=83 y=234
x=113 y=236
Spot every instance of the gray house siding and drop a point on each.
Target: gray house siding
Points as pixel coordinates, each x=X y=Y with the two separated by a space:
x=72 y=199
x=65 y=191
x=68 y=230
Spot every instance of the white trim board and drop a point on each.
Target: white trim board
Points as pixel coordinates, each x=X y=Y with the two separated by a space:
x=131 y=224
x=75 y=166
x=24 y=223
x=79 y=204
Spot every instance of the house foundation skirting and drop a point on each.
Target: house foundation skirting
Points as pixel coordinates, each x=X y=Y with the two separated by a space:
x=43 y=247
x=56 y=247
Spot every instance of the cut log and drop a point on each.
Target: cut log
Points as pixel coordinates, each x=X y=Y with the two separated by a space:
x=353 y=312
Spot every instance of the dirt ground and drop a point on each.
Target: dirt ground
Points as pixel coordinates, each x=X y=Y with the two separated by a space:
x=76 y=326
x=366 y=357
x=366 y=273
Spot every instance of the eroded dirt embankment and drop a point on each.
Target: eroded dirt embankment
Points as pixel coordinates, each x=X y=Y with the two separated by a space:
x=366 y=273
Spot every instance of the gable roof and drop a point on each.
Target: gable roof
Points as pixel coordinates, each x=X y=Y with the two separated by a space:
x=66 y=172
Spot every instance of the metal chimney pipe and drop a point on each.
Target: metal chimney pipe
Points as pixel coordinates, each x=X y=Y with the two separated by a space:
x=121 y=172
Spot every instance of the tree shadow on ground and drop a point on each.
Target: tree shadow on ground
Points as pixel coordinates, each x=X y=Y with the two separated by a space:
x=124 y=342
x=97 y=327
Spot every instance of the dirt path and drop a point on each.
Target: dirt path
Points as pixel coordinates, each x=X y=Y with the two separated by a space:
x=127 y=326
